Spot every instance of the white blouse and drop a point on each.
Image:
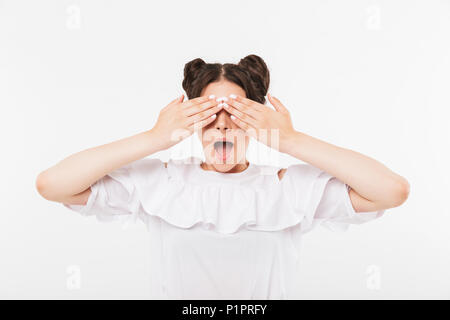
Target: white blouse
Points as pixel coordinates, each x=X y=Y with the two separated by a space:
x=223 y=235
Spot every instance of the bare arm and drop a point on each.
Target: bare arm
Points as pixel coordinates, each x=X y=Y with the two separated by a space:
x=374 y=186
x=69 y=180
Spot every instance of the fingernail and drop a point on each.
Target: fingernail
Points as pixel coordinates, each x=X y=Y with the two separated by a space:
x=212 y=96
x=233 y=117
x=233 y=96
x=225 y=105
x=213 y=116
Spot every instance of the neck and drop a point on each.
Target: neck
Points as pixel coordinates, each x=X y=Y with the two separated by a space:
x=237 y=168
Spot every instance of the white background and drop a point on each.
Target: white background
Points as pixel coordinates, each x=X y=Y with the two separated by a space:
x=372 y=76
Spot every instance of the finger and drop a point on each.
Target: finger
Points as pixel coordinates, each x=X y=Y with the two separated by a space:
x=204 y=114
x=203 y=123
x=242 y=99
x=277 y=104
x=247 y=101
x=249 y=110
x=242 y=116
x=189 y=111
x=244 y=126
x=195 y=101
x=176 y=100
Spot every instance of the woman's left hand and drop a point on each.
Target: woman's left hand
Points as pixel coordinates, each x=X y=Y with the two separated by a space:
x=272 y=127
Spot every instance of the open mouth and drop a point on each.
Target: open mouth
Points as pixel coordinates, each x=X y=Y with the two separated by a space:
x=223 y=149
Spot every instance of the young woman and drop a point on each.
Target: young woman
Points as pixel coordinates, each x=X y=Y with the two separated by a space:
x=224 y=228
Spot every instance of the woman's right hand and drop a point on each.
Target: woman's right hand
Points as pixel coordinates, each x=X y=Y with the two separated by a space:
x=69 y=180
x=179 y=120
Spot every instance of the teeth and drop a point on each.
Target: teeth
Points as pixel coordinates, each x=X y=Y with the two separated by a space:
x=221 y=144
x=223 y=148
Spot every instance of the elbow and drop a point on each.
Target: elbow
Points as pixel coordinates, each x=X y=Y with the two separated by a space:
x=400 y=191
x=43 y=186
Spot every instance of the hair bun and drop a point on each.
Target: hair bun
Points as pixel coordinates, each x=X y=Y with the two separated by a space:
x=191 y=70
x=255 y=67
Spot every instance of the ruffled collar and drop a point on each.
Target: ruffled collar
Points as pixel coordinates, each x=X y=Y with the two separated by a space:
x=185 y=195
x=251 y=170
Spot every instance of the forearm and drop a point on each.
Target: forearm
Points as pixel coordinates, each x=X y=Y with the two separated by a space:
x=77 y=172
x=366 y=176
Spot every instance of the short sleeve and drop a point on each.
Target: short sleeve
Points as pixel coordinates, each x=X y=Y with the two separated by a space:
x=115 y=196
x=322 y=199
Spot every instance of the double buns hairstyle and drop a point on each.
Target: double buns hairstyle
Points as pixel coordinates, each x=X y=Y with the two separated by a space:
x=251 y=74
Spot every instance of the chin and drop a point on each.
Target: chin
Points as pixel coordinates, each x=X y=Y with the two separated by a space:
x=223 y=167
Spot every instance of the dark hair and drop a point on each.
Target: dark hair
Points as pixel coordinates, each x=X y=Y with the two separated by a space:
x=251 y=74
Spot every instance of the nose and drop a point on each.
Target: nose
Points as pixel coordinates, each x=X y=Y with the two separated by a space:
x=223 y=121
